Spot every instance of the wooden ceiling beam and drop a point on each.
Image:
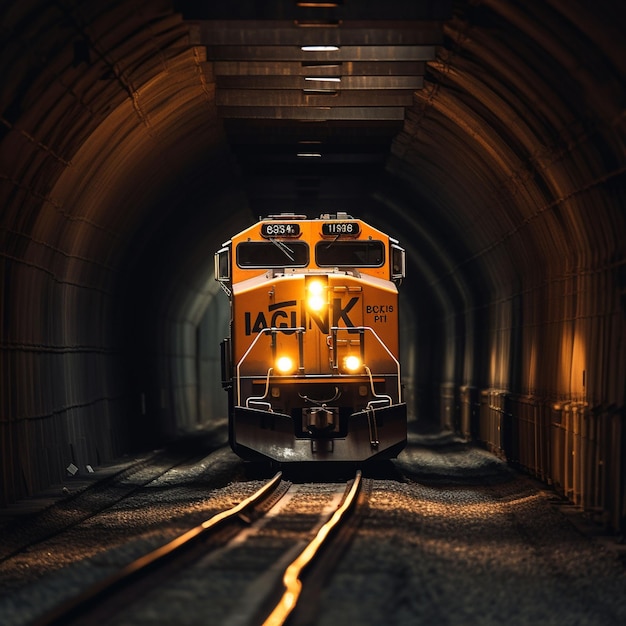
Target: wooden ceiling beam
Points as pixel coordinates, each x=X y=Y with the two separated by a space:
x=297 y=33
x=319 y=113
x=255 y=98
x=346 y=83
x=344 y=53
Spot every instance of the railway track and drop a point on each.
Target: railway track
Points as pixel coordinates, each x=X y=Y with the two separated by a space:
x=292 y=578
x=273 y=540
x=101 y=496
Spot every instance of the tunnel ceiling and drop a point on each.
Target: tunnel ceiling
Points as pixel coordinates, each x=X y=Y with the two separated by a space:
x=487 y=135
x=312 y=94
x=461 y=125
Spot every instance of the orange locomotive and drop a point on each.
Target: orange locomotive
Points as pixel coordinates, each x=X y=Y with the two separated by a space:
x=311 y=367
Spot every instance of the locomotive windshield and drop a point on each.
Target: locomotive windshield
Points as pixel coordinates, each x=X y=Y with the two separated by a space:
x=350 y=253
x=251 y=254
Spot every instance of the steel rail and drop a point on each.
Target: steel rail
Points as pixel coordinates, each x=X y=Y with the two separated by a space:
x=291 y=577
x=72 y=608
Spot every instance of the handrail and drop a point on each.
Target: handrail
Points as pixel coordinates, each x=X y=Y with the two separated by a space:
x=334 y=329
x=263 y=331
x=301 y=329
x=267 y=388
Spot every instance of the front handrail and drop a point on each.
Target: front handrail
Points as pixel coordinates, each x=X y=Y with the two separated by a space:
x=259 y=399
x=263 y=331
x=300 y=329
x=335 y=329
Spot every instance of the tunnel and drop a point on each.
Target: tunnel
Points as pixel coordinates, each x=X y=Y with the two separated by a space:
x=487 y=136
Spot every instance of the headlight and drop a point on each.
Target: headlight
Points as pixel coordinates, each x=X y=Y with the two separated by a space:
x=284 y=364
x=352 y=363
x=316 y=300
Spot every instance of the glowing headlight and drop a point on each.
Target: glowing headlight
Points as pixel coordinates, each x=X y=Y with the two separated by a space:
x=284 y=365
x=316 y=300
x=352 y=363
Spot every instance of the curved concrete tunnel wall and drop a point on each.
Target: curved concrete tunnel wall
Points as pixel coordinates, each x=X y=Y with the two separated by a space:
x=544 y=219
x=180 y=315
x=518 y=141
x=506 y=186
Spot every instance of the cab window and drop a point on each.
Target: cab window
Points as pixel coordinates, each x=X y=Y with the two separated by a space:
x=262 y=254
x=398 y=262
x=357 y=253
x=222 y=265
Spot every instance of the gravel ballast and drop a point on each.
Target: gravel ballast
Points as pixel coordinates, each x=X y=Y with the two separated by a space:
x=459 y=538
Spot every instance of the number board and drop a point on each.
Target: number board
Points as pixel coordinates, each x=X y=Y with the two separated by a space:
x=335 y=229
x=280 y=229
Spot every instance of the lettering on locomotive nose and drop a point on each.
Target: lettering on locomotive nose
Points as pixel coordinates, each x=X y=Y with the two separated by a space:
x=379 y=308
x=342 y=313
x=284 y=315
x=277 y=317
x=379 y=311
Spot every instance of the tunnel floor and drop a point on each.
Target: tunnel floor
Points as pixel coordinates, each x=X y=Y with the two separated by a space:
x=457 y=537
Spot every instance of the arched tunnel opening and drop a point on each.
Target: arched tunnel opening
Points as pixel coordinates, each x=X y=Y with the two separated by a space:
x=487 y=137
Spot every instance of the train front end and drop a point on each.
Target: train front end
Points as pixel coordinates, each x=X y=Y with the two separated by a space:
x=311 y=365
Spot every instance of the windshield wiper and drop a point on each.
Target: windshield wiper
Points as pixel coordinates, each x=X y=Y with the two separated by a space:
x=333 y=242
x=286 y=250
